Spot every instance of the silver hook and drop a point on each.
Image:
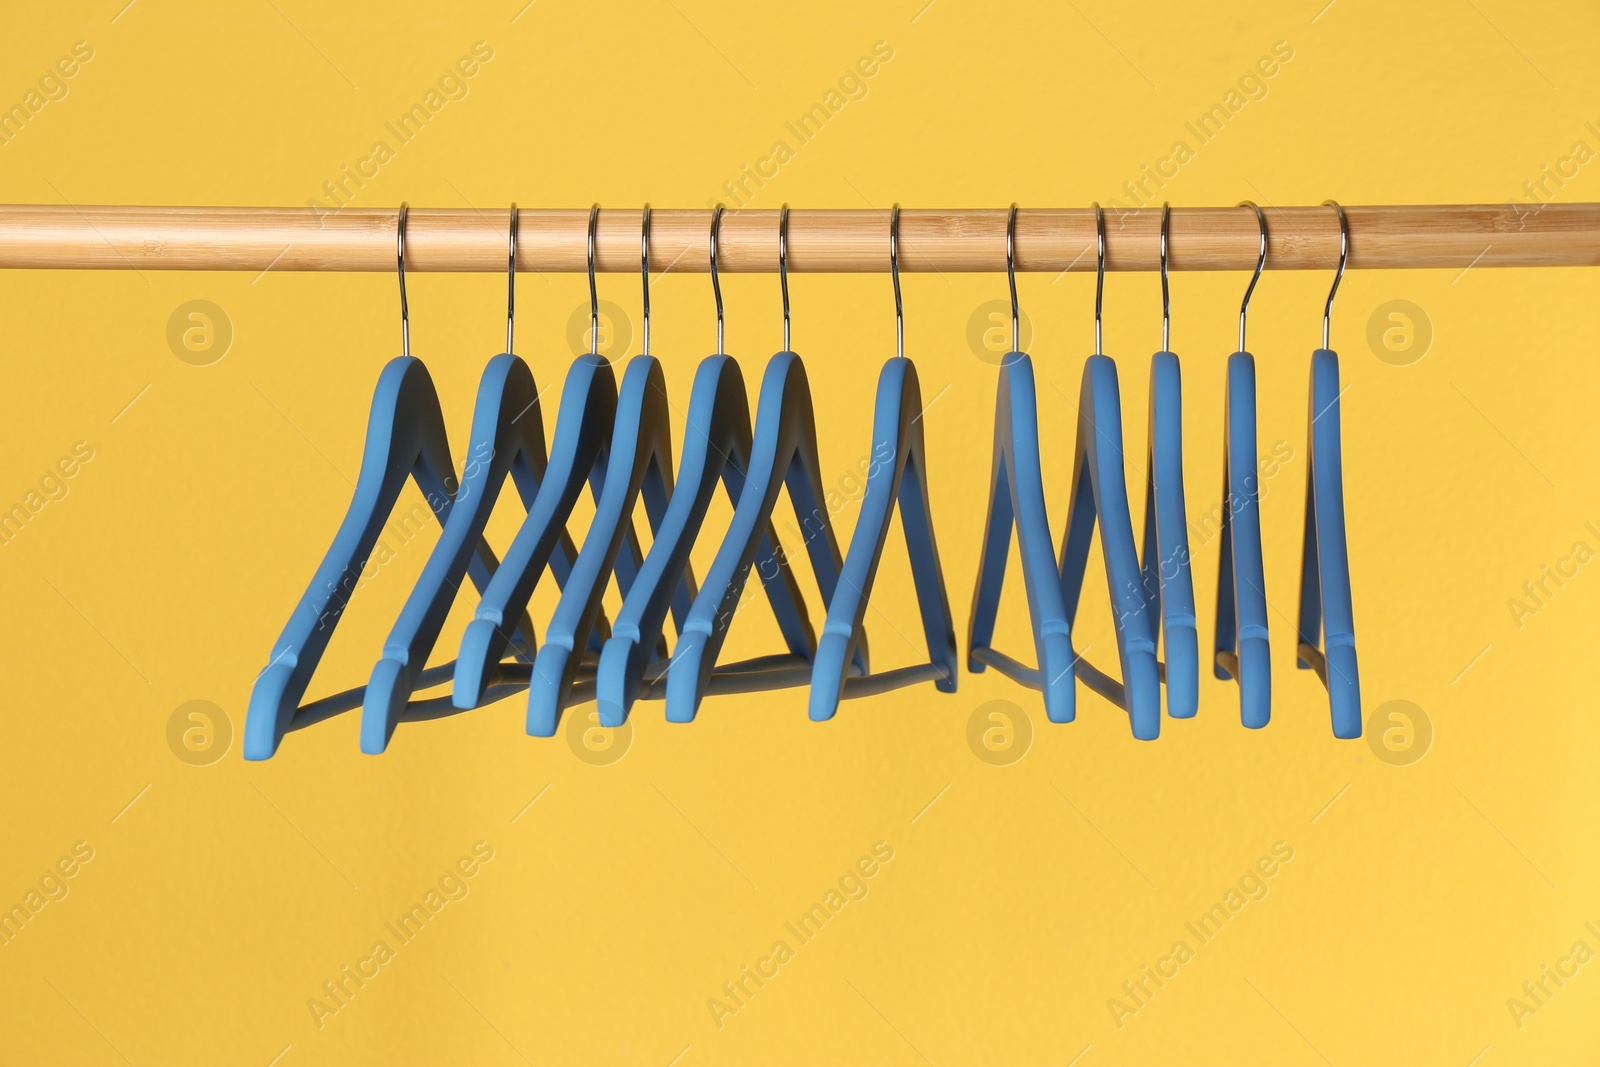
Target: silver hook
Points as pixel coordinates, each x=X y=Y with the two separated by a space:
x=1166 y=293
x=1261 y=261
x=894 y=271
x=644 y=273
x=716 y=286
x=594 y=296
x=783 y=268
x=1011 y=277
x=1344 y=254
x=400 y=254
x=1099 y=272
x=511 y=282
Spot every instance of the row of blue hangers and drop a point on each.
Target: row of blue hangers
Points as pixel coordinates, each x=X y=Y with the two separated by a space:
x=617 y=439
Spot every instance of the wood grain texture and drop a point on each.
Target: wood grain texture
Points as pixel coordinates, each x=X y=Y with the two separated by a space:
x=820 y=241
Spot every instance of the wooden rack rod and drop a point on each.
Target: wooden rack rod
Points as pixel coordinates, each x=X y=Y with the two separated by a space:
x=820 y=241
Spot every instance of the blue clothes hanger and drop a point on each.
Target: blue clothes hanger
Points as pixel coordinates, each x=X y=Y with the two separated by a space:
x=507 y=439
x=579 y=454
x=1325 y=565
x=716 y=447
x=1100 y=492
x=1165 y=566
x=899 y=473
x=1242 y=651
x=406 y=439
x=783 y=454
x=1164 y=581
x=640 y=461
x=1016 y=499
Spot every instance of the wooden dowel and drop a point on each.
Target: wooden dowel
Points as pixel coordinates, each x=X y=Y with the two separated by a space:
x=820 y=241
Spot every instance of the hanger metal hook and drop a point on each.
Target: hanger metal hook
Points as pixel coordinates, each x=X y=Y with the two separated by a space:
x=716 y=285
x=511 y=283
x=1099 y=272
x=783 y=268
x=400 y=255
x=1166 y=292
x=1011 y=277
x=1261 y=262
x=644 y=275
x=594 y=295
x=1344 y=255
x=894 y=272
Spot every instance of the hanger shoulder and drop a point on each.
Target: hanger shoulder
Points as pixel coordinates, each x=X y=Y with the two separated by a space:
x=1242 y=649
x=718 y=412
x=717 y=445
x=783 y=452
x=1165 y=566
x=1325 y=595
x=1016 y=501
x=1100 y=498
x=803 y=480
x=640 y=460
x=506 y=432
x=584 y=424
x=406 y=439
x=897 y=450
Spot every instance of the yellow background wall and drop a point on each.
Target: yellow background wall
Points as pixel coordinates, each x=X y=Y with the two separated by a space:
x=217 y=897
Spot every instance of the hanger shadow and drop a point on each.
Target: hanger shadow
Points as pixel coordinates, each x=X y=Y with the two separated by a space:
x=509 y=679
